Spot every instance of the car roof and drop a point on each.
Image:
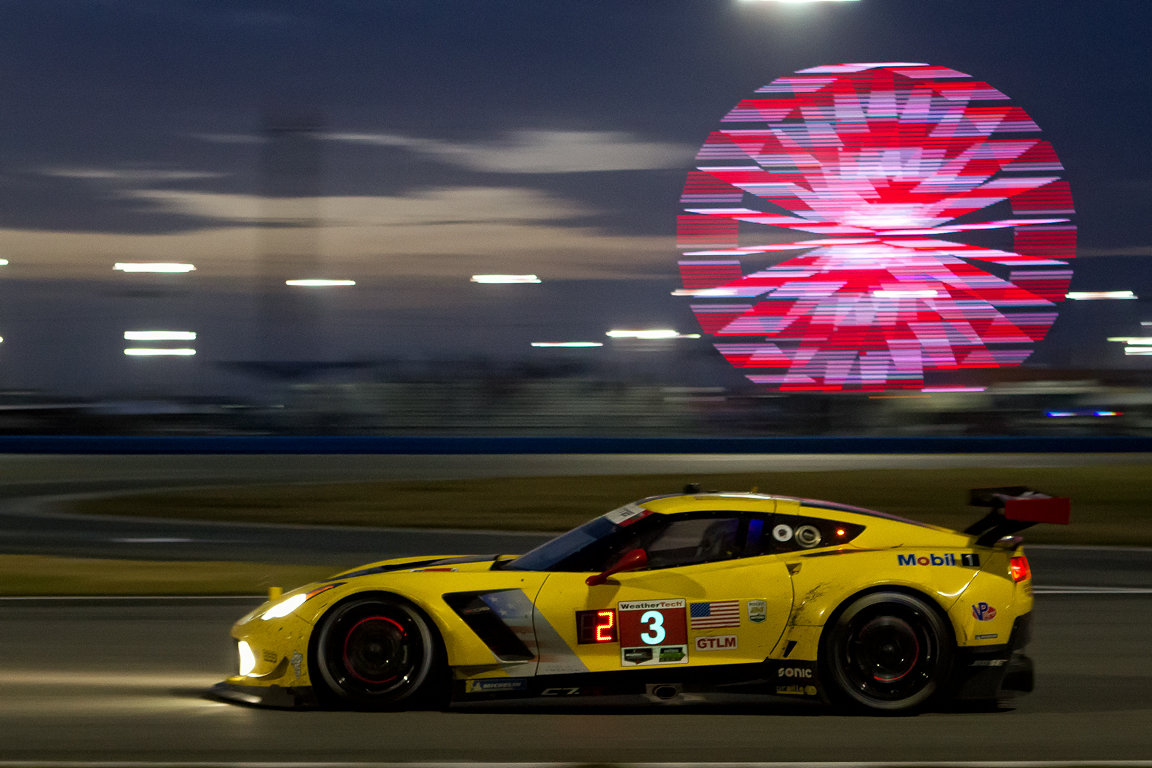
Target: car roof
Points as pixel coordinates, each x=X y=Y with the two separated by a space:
x=677 y=503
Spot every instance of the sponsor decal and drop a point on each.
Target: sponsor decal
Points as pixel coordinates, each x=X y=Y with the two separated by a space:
x=930 y=559
x=665 y=654
x=296 y=660
x=270 y=657
x=496 y=686
x=632 y=657
x=970 y=560
x=988 y=663
x=757 y=611
x=650 y=605
x=560 y=692
x=794 y=672
x=796 y=690
x=987 y=637
x=983 y=612
x=719 y=643
x=653 y=632
x=723 y=613
x=626 y=515
x=782 y=532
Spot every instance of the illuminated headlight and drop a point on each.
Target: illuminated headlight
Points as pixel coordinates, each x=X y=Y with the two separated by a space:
x=247 y=660
x=284 y=607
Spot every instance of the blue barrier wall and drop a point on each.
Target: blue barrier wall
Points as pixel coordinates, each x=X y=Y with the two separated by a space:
x=62 y=444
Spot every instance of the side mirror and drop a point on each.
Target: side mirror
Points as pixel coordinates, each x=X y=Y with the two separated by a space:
x=633 y=561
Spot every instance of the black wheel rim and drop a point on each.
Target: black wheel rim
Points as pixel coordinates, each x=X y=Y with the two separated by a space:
x=888 y=656
x=375 y=651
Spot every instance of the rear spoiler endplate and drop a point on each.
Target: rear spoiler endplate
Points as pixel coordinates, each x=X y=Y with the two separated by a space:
x=1012 y=509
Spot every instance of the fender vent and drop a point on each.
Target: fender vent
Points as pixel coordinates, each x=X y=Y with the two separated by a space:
x=476 y=609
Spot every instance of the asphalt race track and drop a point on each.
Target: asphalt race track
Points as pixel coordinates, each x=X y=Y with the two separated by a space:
x=123 y=680
x=120 y=682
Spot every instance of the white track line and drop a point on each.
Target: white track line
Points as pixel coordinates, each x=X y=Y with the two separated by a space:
x=464 y=764
x=1092 y=547
x=132 y=597
x=1092 y=590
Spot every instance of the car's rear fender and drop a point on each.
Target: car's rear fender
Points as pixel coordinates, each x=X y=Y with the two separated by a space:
x=988 y=607
x=826 y=581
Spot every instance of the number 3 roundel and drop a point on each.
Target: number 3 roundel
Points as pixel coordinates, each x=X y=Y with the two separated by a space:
x=652 y=622
x=840 y=227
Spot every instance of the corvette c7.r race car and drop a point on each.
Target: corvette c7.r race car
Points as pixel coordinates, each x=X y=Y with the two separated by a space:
x=668 y=597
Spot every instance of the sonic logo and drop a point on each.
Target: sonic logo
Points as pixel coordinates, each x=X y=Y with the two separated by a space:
x=983 y=612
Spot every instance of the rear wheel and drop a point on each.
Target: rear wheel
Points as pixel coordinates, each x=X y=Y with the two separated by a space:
x=379 y=652
x=887 y=652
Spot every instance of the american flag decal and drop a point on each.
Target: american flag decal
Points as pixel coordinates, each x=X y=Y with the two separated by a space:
x=725 y=613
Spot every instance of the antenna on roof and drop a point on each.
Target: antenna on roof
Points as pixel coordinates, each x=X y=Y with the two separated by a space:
x=692 y=488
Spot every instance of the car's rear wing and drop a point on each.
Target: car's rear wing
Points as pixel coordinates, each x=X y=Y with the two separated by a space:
x=1012 y=510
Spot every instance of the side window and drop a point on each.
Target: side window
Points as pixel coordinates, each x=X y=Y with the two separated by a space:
x=788 y=533
x=693 y=540
x=758 y=540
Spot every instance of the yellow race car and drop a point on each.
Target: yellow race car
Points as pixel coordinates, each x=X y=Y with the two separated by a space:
x=671 y=597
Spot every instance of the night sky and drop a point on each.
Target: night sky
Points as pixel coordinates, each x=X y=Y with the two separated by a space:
x=474 y=136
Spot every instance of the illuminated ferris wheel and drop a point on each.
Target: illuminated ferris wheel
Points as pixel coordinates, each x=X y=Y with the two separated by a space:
x=855 y=225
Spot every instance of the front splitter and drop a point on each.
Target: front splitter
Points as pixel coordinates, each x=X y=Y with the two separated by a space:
x=291 y=697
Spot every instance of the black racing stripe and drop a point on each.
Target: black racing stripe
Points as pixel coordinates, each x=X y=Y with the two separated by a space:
x=387 y=568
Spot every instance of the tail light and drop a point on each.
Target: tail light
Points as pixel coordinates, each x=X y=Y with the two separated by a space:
x=1018 y=569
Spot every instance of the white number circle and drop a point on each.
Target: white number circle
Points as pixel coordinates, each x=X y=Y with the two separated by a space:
x=782 y=532
x=655 y=622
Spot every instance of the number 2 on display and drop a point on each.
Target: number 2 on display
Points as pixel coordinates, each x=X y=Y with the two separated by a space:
x=655 y=622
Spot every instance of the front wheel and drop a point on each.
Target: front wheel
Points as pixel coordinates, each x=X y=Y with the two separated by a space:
x=378 y=652
x=887 y=652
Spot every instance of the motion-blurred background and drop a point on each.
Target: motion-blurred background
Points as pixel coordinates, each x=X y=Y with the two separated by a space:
x=167 y=167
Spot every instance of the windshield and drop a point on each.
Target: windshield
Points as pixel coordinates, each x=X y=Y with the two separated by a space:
x=551 y=555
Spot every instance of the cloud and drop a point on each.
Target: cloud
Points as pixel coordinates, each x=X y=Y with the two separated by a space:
x=446 y=233
x=540 y=151
x=466 y=205
x=521 y=151
x=129 y=175
x=228 y=138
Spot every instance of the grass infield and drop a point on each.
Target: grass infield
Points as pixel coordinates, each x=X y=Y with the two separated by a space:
x=30 y=575
x=1110 y=504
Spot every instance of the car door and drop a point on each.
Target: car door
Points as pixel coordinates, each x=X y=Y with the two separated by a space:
x=698 y=603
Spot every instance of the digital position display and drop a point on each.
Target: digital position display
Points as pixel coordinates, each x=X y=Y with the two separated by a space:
x=596 y=626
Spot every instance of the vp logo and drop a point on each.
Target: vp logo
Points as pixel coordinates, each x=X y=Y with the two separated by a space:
x=983 y=612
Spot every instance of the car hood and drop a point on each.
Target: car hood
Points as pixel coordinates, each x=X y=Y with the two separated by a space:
x=448 y=563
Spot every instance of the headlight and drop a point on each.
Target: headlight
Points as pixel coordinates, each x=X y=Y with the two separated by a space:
x=247 y=660
x=284 y=607
x=289 y=604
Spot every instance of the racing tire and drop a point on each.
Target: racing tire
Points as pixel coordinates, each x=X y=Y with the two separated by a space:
x=887 y=653
x=379 y=652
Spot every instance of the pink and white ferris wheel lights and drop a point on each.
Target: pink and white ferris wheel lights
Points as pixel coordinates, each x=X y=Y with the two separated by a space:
x=883 y=174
